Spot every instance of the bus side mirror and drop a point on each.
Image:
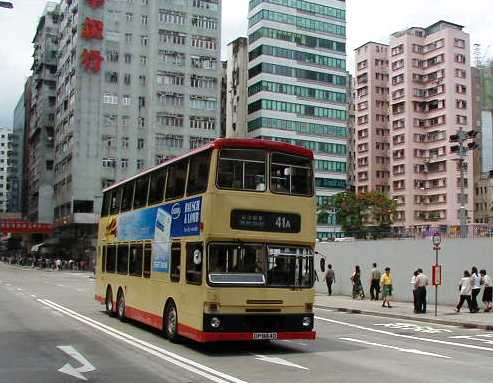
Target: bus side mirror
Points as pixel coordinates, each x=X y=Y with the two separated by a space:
x=322 y=264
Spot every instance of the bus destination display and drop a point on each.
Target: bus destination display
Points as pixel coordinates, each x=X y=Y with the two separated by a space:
x=265 y=221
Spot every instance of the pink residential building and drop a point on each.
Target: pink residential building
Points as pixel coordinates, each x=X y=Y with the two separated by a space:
x=428 y=88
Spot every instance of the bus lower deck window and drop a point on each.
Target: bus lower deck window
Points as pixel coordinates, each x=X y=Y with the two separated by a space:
x=194 y=263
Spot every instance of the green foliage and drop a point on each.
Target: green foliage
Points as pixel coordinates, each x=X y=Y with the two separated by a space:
x=363 y=214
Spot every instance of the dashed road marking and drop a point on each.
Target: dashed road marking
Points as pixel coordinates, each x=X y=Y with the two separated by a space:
x=400 y=349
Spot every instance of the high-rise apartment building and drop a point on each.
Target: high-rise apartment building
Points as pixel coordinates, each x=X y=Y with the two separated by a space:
x=15 y=177
x=8 y=165
x=427 y=84
x=40 y=133
x=297 y=86
x=138 y=82
x=237 y=89
x=372 y=118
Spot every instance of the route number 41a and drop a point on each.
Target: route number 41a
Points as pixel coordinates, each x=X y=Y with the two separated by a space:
x=282 y=223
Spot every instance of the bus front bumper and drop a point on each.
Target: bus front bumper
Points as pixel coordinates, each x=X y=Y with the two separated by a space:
x=203 y=336
x=241 y=327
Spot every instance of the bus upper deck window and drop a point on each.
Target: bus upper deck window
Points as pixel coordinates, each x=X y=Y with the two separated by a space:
x=141 y=191
x=198 y=174
x=242 y=169
x=127 y=197
x=156 y=186
x=105 y=209
x=116 y=196
x=291 y=174
x=177 y=176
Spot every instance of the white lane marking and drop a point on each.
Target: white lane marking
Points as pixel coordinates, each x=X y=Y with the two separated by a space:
x=185 y=363
x=282 y=362
x=80 y=290
x=69 y=369
x=32 y=295
x=407 y=350
x=8 y=284
x=476 y=338
x=60 y=285
x=19 y=289
x=405 y=336
x=414 y=327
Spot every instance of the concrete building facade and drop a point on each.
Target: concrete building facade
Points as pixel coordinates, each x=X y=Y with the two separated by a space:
x=237 y=89
x=138 y=83
x=297 y=86
x=15 y=177
x=40 y=135
x=429 y=94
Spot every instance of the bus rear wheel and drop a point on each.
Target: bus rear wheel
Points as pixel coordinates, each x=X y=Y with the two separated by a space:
x=109 y=302
x=171 y=323
x=120 y=306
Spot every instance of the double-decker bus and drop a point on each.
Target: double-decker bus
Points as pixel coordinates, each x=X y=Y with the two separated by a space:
x=216 y=245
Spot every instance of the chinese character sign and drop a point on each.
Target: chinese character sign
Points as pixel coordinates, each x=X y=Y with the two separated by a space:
x=95 y=3
x=93 y=29
x=92 y=60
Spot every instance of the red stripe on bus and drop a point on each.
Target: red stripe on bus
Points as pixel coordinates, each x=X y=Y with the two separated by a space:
x=149 y=319
x=156 y=321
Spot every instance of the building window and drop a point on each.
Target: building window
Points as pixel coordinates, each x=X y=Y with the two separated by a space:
x=144 y=40
x=144 y=19
x=143 y=60
x=127 y=58
x=126 y=99
x=172 y=17
x=126 y=78
x=171 y=37
x=140 y=164
x=124 y=163
x=110 y=98
x=129 y=17
x=204 y=42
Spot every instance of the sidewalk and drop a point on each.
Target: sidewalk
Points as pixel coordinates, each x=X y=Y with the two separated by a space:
x=404 y=310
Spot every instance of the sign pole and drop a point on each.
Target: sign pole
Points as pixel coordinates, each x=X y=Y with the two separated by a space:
x=437 y=270
x=436 y=284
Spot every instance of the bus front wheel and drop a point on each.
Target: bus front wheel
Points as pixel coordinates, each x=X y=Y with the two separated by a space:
x=171 y=322
x=109 y=301
x=120 y=306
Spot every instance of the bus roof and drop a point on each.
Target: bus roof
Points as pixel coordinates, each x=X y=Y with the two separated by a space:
x=221 y=143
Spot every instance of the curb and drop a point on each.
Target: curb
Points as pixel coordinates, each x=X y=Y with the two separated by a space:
x=468 y=325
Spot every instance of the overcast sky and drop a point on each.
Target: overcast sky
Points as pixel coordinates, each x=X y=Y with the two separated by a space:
x=367 y=20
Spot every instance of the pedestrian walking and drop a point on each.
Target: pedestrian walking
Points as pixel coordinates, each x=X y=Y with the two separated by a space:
x=487 y=282
x=421 y=283
x=375 y=276
x=386 y=282
x=330 y=278
x=357 y=286
x=413 y=286
x=476 y=288
x=465 y=288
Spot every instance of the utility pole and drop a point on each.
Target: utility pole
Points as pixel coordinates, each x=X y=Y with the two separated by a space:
x=462 y=149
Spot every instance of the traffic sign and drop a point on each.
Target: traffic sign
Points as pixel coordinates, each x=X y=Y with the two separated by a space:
x=436 y=275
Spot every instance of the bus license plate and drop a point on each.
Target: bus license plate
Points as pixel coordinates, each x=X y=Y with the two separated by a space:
x=265 y=335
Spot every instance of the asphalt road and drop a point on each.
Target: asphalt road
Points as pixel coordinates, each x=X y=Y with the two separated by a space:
x=50 y=322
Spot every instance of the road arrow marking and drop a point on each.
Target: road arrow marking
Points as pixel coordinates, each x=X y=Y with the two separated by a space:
x=69 y=369
x=407 y=350
x=270 y=359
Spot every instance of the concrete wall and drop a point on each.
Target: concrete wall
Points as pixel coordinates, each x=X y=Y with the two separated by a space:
x=403 y=257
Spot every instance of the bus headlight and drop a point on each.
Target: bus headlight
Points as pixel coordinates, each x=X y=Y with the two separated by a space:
x=215 y=322
x=307 y=321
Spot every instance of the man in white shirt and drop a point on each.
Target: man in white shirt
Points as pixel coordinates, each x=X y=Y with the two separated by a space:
x=421 y=283
x=476 y=288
